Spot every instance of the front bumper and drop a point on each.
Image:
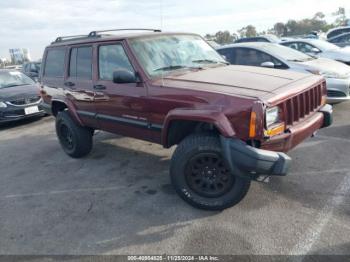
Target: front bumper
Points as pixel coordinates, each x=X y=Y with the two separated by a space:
x=250 y=162
x=297 y=133
x=338 y=90
x=15 y=113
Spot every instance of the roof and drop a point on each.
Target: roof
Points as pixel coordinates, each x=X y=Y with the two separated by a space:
x=337 y=28
x=247 y=44
x=96 y=36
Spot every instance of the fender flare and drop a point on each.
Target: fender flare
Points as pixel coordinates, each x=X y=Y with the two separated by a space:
x=216 y=118
x=71 y=109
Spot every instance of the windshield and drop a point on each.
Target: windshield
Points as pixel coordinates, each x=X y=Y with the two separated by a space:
x=162 y=54
x=273 y=38
x=14 y=78
x=287 y=53
x=324 y=45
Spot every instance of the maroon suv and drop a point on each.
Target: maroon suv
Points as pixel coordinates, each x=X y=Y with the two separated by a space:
x=231 y=123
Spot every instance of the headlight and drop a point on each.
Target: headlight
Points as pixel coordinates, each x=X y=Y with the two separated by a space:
x=328 y=74
x=3 y=105
x=272 y=116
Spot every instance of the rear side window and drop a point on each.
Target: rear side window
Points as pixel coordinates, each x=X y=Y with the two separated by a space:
x=80 y=65
x=54 y=66
x=111 y=58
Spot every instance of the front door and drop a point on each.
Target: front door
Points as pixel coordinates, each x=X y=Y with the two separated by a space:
x=121 y=108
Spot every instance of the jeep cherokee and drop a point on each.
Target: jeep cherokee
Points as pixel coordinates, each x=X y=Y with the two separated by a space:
x=231 y=123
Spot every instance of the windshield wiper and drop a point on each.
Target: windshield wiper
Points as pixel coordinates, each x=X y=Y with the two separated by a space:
x=13 y=85
x=175 y=67
x=208 y=61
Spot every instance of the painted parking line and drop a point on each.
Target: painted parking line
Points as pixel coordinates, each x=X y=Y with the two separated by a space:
x=81 y=190
x=333 y=138
x=312 y=235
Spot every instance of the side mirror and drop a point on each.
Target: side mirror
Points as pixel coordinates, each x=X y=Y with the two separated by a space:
x=123 y=76
x=315 y=50
x=268 y=65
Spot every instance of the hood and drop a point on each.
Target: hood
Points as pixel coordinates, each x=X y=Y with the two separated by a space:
x=327 y=65
x=234 y=80
x=18 y=92
x=341 y=54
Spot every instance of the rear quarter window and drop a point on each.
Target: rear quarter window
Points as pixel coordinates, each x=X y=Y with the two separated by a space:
x=54 y=65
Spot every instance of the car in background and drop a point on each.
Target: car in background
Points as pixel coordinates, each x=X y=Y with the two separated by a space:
x=19 y=96
x=263 y=38
x=320 y=48
x=213 y=43
x=276 y=56
x=342 y=40
x=32 y=69
x=337 y=31
x=14 y=67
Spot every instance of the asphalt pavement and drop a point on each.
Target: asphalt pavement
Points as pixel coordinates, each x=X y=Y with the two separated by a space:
x=119 y=200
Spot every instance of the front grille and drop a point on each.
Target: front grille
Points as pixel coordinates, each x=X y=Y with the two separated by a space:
x=332 y=93
x=300 y=106
x=25 y=101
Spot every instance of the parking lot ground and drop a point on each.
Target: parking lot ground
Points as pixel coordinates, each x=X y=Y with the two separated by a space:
x=119 y=200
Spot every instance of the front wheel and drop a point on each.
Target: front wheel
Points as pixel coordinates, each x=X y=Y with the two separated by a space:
x=200 y=175
x=75 y=140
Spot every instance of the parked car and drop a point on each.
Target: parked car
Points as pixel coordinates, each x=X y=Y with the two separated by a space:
x=320 y=48
x=19 y=97
x=342 y=40
x=32 y=70
x=337 y=31
x=277 y=56
x=231 y=123
x=263 y=38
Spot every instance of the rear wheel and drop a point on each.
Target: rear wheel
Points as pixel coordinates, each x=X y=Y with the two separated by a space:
x=200 y=175
x=75 y=140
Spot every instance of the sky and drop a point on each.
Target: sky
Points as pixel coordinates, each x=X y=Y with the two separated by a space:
x=34 y=24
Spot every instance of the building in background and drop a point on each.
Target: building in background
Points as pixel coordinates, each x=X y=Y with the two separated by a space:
x=19 y=55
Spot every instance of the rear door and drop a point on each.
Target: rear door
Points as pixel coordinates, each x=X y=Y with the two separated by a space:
x=121 y=108
x=79 y=83
x=53 y=70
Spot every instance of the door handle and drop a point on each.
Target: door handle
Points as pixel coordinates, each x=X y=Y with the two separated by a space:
x=70 y=84
x=99 y=87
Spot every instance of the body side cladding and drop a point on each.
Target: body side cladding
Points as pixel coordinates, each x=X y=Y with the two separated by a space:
x=121 y=120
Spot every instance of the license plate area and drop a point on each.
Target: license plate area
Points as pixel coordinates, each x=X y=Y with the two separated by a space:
x=31 y=110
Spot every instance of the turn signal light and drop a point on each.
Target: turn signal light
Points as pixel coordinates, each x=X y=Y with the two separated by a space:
x=252 y=126
x=275 y=130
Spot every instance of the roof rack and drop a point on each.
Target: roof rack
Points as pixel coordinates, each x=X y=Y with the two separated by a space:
x=70 y=37
x=96 y=33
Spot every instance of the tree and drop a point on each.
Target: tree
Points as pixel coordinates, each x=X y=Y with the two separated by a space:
x=340 y=15
x=280 y=29
x=223 y=37
x=248 y=31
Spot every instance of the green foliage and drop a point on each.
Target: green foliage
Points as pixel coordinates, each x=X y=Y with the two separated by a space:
x=290 y=28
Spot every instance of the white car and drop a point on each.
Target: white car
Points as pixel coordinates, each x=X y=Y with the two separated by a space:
x=276 y=56
x=320 y=48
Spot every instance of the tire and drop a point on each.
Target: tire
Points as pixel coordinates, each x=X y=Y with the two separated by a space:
x=186 y=170
x=75 y=140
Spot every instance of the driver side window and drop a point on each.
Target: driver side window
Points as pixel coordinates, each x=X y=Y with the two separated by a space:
x=112 y=58
x=306 y=48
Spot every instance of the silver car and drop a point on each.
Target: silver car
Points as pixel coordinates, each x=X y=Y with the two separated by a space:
x=276 y=56
x=320 y=48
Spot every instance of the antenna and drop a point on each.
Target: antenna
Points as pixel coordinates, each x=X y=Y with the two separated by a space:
x=161 y=13
x=161 y=28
